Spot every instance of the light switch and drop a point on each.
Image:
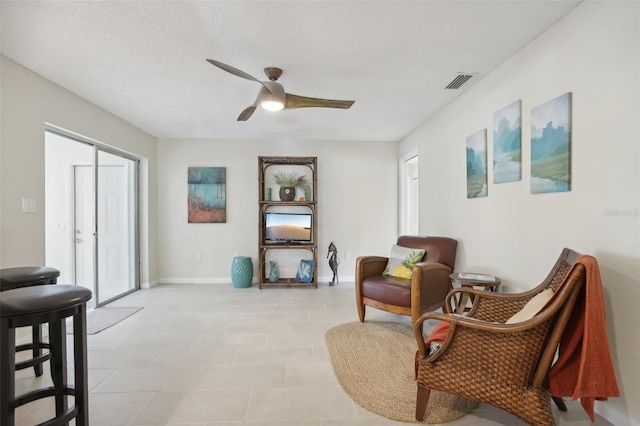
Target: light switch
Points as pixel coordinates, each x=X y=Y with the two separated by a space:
x=29 y=205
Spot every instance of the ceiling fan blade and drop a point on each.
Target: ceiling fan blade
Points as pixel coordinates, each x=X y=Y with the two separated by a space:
x=295 y=101
x=247 y=113
x=235 y=71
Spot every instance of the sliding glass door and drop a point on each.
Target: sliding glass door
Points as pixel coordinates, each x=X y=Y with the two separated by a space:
x=91 y=216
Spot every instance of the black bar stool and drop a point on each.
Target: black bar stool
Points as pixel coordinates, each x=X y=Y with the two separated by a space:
x=29 y=306
x=26 y=276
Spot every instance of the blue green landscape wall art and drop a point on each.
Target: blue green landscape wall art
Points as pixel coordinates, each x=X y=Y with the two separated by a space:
x=507 y=144
x=207 y=194
x=551 y=146
x=477 y=164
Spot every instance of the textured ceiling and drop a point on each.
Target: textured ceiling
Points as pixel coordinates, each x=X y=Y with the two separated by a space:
x=144 y=61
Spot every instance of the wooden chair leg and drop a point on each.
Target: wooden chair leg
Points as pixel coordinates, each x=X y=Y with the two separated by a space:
x=80 y=367
x=7 y=372
x=560 y=403
x=58 y=363
x=361 y=308
x=421 y=401
x=36 y=339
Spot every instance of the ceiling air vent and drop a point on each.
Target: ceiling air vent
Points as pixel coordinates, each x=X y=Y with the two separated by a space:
x=459 y=81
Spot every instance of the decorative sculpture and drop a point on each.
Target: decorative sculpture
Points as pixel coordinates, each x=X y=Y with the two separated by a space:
x=333 y=263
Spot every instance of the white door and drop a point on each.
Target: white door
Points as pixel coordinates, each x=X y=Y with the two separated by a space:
x=413 y=196
x=409 y=195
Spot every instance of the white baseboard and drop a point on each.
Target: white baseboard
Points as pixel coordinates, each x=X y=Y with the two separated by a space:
x=149 y=284
x=208 y=280
x=227 y=280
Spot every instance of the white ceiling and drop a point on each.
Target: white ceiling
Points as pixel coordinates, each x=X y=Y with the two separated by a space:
x=144 y=61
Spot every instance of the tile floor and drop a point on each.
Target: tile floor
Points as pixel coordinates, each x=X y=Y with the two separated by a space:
x=215 y=355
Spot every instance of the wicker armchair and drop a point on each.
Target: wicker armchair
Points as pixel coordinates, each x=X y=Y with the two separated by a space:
x=504 y=365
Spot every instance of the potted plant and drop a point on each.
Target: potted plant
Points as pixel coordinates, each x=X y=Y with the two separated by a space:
x=288 y=183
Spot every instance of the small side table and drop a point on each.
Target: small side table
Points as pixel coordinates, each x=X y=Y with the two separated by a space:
x=467 y=279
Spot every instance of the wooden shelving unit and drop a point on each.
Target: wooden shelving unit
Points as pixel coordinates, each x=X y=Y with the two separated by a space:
x=308 y=166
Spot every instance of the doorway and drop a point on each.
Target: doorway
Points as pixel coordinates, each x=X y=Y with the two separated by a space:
x=91 y=205
x=409 y=194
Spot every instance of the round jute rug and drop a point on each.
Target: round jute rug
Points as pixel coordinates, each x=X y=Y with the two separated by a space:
x=374 y=363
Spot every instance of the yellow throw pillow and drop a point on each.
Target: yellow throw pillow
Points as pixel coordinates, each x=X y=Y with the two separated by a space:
x=402 y=260
x=532 y=307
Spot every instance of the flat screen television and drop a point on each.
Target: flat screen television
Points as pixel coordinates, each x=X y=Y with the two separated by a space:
x=288 y=228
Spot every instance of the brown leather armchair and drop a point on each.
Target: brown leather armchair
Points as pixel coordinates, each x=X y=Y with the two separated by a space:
x=425 y=291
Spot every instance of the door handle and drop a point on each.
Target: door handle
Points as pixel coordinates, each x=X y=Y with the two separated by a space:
x=78 y=240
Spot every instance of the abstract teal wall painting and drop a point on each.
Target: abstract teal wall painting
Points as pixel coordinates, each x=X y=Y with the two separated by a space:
x=477 y=164
x=207 y=198
x=507 y=144
x=551 y=146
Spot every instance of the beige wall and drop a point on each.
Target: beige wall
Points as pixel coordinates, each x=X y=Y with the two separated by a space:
x=593 y=53
x=28 y=102
x=357 y=204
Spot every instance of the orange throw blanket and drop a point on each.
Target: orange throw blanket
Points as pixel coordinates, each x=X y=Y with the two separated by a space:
x=438 y=334
x=584 y=368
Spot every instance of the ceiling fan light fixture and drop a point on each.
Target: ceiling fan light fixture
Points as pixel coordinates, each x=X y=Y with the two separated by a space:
x=272 y=105
x=272 y=99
